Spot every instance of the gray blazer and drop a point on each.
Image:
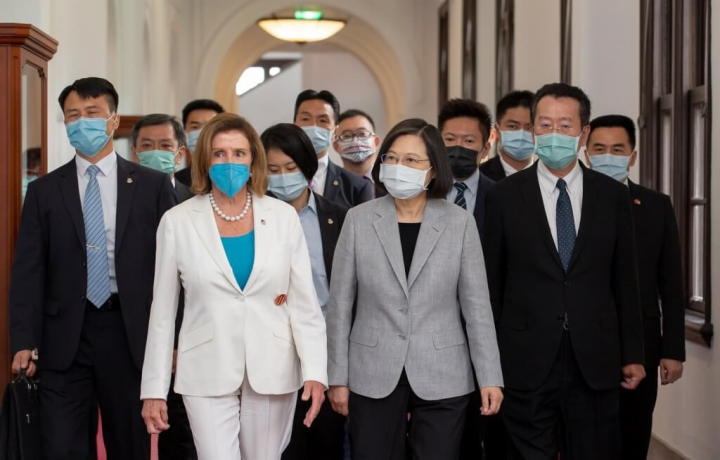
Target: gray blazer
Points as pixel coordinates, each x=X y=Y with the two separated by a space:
x=413 y=322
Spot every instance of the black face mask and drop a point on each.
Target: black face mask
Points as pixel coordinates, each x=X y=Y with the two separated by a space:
x=463 y=161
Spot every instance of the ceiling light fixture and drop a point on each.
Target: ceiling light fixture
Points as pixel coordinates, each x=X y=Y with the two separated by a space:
x=305 y=27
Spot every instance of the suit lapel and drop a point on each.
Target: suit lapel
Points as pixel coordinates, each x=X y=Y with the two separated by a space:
x=430 y=230
x=332 y=182
x=125 y=192
x=533 y=198
x=479 y=211
x=387 y=230
x=329 y=232
x=589 y=206
x=71 y=195
x=203 y=219
x=263 y=223
x=497 y=167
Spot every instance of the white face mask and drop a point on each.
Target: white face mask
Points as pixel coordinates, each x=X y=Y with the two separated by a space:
x=403 y=182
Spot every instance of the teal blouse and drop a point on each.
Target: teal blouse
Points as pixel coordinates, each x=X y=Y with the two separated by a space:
x=240 y=251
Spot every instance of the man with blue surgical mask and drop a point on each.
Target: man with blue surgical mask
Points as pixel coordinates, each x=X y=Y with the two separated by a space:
x=317 y=114
x=611 y=151
x=515 y=146
x=195 y=115
x=562 y=272
x=82 y=283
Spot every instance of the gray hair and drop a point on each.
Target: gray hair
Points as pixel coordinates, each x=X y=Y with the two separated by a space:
x=156 y=119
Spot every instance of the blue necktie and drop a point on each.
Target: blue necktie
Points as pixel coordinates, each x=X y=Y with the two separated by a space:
x=565 y=222
x=98 y=274
x=460 y=197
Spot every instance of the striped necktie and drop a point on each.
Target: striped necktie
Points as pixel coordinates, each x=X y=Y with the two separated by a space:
x=460 y=197
x=98 y=274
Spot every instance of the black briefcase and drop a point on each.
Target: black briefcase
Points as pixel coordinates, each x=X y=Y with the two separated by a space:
x=20 y=420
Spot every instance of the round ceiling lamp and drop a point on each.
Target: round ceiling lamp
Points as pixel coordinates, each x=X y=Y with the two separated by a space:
x=305 y=27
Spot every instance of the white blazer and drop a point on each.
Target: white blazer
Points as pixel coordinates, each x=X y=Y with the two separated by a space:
x=225 y=329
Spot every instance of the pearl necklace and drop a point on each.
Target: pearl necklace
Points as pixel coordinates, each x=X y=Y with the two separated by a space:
x=218 y=211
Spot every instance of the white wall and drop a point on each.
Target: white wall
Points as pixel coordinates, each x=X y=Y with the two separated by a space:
x=273 y=101
x=537 y=43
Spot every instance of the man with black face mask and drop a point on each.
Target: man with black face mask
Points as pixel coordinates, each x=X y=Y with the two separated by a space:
x=466 y=128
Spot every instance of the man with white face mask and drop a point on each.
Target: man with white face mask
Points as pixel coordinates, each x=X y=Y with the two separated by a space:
x=611 y=151
x=317 y=113
x=562 y=272
x=356 y=143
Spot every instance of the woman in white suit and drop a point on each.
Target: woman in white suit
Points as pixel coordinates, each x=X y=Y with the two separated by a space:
x=253 y=331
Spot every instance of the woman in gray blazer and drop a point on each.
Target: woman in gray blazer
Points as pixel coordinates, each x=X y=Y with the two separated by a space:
x=408 y=269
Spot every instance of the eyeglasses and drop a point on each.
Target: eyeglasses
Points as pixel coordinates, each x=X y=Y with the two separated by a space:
x=360 y=135
x=411 y=161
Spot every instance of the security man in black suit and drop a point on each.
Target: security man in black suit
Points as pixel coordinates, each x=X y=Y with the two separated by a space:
x=317 y=113
x=82 y=282
x=562 y=273
x=195 y=115
x=513 y=132
x=611 y=150
x=158 y=141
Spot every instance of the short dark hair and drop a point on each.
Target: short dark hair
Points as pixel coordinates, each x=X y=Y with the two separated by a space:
x=614 y=121
x=458 y=108
x=513 y=100
x=91 y=87
x=293 y=142
x=352 y=113
x=200 y=104
x=440 y=186
x=157 y=119
x=324 y=95
x=558 y=90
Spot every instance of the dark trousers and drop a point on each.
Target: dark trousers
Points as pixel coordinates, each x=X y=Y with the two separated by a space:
x=563 y=414
x=496 y=440
x=380 y=430
x=103 y=373
x=471 y=445
x=324 y=440
x=637 y=406
x=177 y=442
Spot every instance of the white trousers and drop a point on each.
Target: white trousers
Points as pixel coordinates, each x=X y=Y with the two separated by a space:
x=248 y=426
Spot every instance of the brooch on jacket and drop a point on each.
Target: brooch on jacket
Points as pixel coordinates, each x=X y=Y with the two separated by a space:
x=637 y=202
x=281 y=299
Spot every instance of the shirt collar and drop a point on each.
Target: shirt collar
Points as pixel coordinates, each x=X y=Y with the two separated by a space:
x=323 y=164
x=311 y=205
x=106 y=165
x=548 y=181
x=507 y=168
x=472 y=182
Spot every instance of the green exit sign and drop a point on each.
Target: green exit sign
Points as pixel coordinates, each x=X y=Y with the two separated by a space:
x=308 y=15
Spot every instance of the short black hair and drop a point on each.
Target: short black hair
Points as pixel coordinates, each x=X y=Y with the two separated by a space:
x=200 y=104
x=324 y=95
x=614 y=121
x=458 y=108
x=513 y=100
x=440 y=186
x=558 y=90
x=156 y=119
x=293 y=142
x=91 y=87
x=352 y=113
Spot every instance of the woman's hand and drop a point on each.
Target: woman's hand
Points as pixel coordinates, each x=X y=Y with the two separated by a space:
x=339 y=399
x=315 y=391
x=491 y=398
x=154 y=412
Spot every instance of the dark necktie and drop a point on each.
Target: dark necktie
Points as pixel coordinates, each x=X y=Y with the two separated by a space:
x=460 y=197
x=565 y=222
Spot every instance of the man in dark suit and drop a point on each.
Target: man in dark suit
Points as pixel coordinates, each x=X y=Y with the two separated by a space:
x=611 y=150
x=158 y=142
x=514 y=133
x=562 y=272
x=357 y=144
x=195 y=115
x=82 y=282
x=317 y=114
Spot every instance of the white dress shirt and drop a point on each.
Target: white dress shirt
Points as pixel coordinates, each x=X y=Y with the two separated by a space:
x=320 y=177
x=473 y=182
x=509 y=170
x=107 y=181
x=550 y=194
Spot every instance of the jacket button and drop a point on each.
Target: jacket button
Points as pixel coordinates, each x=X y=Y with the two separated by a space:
x=401 y=336
x=82 y=297
x=567 y=283
x=84 y=264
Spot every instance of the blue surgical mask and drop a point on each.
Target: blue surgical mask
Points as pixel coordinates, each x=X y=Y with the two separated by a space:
x=192 y=138
x=88 y=135
x=230 y=178
x=320 y=137
x=403 y=182
x=159 y=160
x=615 y=166
x=517 y=144
x=555 y=150
x=287 y=187
x=25 y=182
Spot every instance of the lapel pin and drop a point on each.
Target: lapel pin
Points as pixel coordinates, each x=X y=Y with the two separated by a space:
x=280 y=300
x=336 y=183
x=262 y=221
x=129 y=181
x=637 y=202
x=330 y=221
